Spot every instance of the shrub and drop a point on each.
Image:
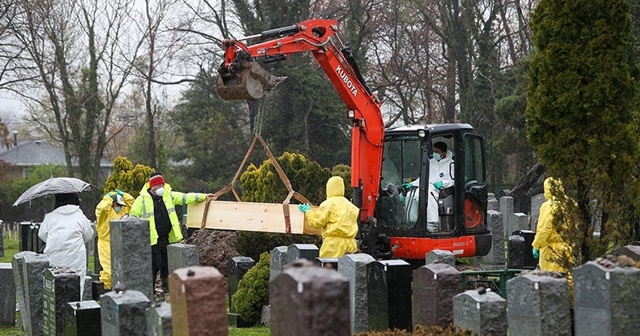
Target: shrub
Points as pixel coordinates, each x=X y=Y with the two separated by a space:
x=253 y=291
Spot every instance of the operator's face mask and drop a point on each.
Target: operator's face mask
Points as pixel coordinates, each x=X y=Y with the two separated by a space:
x=437 y=156
x=160 y=191
x=118 y=208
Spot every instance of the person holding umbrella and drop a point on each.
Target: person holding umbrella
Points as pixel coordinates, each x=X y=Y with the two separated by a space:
x=113 y=206
x=65 y=231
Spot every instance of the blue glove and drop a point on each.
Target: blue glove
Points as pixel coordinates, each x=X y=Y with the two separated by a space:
x=437 y=185
x=119 y=192
x=304 y=207
x=110 y=194
x=536 y=253
x=406 y=186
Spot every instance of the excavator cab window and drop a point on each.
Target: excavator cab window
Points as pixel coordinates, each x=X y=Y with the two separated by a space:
x=400 y=167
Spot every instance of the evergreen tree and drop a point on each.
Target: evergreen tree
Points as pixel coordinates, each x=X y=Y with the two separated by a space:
x=580 y=111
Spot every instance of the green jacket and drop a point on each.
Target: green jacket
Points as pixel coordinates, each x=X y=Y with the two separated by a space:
x=143 y=208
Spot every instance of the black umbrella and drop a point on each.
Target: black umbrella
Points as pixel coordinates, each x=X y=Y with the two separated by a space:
x=52 y=186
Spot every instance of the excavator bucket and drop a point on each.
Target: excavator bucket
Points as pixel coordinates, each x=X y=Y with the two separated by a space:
x=251 y=82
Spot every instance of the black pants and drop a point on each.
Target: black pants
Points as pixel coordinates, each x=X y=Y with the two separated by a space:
x=160 y=263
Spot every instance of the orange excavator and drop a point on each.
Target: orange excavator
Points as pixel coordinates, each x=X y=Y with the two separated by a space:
x=390 y=168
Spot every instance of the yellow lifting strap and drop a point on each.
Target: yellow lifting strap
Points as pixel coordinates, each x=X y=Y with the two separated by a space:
x=283 y=177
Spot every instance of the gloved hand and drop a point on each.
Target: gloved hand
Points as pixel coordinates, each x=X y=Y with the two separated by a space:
x=110 y=194
x=406 y=186
x=304 y=207
x=119 y=192
x=536 y=253
x=437 y=184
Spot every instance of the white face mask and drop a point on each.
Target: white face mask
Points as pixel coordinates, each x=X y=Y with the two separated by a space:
x=160 y=191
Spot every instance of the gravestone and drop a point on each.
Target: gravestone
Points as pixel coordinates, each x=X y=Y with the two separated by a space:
x=536 y=203
x=496 y=253
x=237 y=267
x=198 y=301
x=159 y=319
x=86 y=319
x=7 y=296
x=97 y=289
x=130 y=259
x=87 y=290
x=1 y=239
x=181 y=255
x=434 y=286
x=538 y=304
x=278 y=258
x=97 y=266
x=331 y=263
x=33 y=267
x=520 y=221
x=492 y=203
x=302 y=251
x=61 y=286
x=123 y=313
x=440 y=256
x=389 y=291
x=606 y=300
x=481 y=311
x=506 y=209
x=516 y=252
x=354 y=268
x=17 y=264
x=631 y=251
x=310 y=301
x=529 y=261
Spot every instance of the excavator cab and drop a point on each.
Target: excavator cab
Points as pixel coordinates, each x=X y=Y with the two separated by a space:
x=412 y=216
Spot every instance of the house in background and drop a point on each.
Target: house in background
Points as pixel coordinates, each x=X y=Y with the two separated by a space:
x=25 y=155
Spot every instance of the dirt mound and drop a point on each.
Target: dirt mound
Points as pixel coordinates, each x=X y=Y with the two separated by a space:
x=215 y=248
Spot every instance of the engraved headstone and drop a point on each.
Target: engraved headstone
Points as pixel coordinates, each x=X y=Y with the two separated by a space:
x=605 y=300
x=434 y=286
x=17 y=263
x=516 y=252
x=61 y=285
x=310 y=301
x=538 y=304
x=123 y=313
x=159 y=319
x=302 y=251
x=198 y=301
x=7 y=295
x=86 y=319
x=236 y=269
x=440 y=256
x=529 y=261
x=278 y=258
x=181 y=255
x=481 y=311
x=33 y=267
x=389 y=290
x=354 y=268
x=130 y=259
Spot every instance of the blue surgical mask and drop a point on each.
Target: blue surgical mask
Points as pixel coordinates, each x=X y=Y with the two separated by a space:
x=117 y=208
x=437 y=156
x=160 y=191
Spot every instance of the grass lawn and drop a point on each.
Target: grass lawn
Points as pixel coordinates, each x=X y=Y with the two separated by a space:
x=11 y=247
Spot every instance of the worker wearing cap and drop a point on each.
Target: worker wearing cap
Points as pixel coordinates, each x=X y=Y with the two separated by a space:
x=156 y=203
x=113 y=206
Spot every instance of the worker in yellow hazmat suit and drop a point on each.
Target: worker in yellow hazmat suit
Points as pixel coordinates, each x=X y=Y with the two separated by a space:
x=338 y=219
x=113 y=206
x=548 y=245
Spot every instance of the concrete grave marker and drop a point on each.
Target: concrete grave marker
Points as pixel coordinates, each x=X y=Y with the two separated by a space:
x=389 y=290
x=434 y=286
x=123 y=313
x=17 y=264
x=33 y=268
x=606 y=300
x=310 y=301
x=61 y=285
x=198 y=301
x=159 y=319
x=481 y=311
x=7 y=295
x=278 y=258
x=354 y=268
x=130 y=259
x=86 y=319
x=181 y=255
x=538 y=304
